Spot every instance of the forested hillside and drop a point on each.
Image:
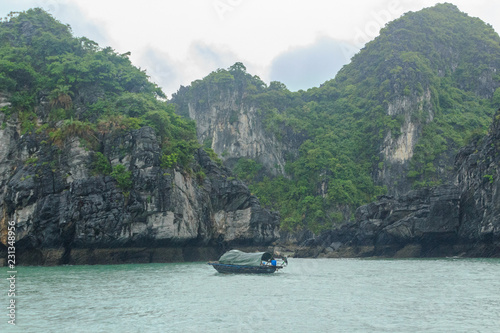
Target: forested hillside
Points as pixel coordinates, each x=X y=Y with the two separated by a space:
x=95 y=165
x=59 y=86
x=390 y=121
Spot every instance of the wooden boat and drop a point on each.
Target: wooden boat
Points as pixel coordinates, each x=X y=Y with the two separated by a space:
x=223 y=268
x=236 y=261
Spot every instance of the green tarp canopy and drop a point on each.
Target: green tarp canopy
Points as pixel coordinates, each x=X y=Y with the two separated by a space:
x=236 y=257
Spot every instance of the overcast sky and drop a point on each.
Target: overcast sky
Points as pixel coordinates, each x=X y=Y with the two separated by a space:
x=300 y=43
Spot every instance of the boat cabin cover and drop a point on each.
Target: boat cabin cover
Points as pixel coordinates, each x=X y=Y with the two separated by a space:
x=236 y=257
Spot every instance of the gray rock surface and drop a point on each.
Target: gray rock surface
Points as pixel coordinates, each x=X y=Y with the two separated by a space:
x=235 y=128
x=65 y=212
x=458 y=219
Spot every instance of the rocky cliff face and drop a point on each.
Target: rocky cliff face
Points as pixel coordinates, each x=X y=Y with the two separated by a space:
x=478 y=179
x=397 y=150
x=234 y=130
x=95 y=167
x=421 y=90
x=390 y=121
x=232 y=111
x=460 y=219
x=66 y=213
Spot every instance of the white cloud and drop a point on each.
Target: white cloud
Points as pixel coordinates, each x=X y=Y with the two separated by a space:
x=195 y=37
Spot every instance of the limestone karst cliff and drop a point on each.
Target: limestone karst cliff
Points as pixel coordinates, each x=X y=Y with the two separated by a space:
x=95 y=166
x=70 y=215
x=233 y=124
x=391 y=121
x=458 y=219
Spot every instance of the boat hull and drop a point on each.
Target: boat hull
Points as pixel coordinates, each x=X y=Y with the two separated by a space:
x=225 y=268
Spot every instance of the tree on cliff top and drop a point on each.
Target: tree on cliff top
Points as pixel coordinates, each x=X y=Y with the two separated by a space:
x=83 y=83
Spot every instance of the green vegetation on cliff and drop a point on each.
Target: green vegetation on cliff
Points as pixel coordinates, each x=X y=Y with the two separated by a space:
x=391 y=120
x=435 y=68
x=424 y=87
x=60 y=86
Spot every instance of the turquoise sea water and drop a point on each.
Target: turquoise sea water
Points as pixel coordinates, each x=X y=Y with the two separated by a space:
x=310 y=295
